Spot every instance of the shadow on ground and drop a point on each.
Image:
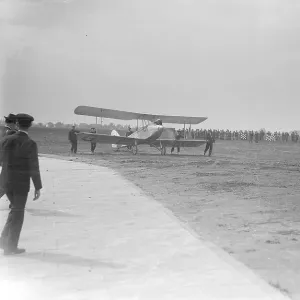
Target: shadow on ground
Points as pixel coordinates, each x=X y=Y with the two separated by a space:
x=49 y=213
x=67 y=259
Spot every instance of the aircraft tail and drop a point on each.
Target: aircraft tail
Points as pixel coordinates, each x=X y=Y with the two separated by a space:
x=115 y=133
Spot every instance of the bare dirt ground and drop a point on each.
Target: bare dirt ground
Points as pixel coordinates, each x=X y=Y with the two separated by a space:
x=245 y=198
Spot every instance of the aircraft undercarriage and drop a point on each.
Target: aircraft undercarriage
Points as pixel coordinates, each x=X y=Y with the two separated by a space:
x=161 y=148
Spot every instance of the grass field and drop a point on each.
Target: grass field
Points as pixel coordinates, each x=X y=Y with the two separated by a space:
x=245 y=198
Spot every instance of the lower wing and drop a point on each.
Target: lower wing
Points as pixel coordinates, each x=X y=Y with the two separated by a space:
x=106 y=139
x=180 y=143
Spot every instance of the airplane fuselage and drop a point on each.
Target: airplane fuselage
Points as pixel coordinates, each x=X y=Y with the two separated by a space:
x=148 y=133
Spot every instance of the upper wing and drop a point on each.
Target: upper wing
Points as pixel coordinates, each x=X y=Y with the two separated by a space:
x=124 y=115
x=105 y=113
x=181 y=143
x=180 y=119
x=105 y=139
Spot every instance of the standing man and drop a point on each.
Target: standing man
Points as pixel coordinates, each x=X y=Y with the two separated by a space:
x=256 y=135
x=73 y=139
x=93 y=144
x=251 y=134
x=10 y=125
x=176 y=143
x=209 y=144
x=128 y=133
x=19 y=157
x=9 y=129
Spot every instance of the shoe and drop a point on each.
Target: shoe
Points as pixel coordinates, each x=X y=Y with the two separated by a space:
x=14 y=252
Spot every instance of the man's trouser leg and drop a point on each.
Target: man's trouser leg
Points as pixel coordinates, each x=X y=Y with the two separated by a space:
x=173 y=147
x=75 y=147
x=206 y=148
x=11 y=232
x=2 y=193
x=210 y=149
x=5 y=231
x=177 y=145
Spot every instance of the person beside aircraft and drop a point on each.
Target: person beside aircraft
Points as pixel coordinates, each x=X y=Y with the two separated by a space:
x=209 y=144
x=73 y=139
x=193 y=134
x=93 y=144
x=179 y=134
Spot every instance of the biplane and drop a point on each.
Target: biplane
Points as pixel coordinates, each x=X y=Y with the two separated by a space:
x=149 y=133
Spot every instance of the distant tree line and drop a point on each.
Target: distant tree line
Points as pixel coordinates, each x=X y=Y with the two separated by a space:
x=80 y=125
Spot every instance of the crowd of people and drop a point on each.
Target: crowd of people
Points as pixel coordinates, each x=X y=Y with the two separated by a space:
x=241 y=135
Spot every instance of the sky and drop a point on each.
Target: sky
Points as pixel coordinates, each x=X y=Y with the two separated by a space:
x=236 y=62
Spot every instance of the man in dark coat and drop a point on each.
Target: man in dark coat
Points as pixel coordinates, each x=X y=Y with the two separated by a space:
x=9 y=129
x=73 y=139
x=209 y=144
x=10 y=125
x=176 y=143
x=19 y=157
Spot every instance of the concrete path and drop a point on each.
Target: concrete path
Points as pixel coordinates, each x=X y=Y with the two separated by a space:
x=95 y=236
